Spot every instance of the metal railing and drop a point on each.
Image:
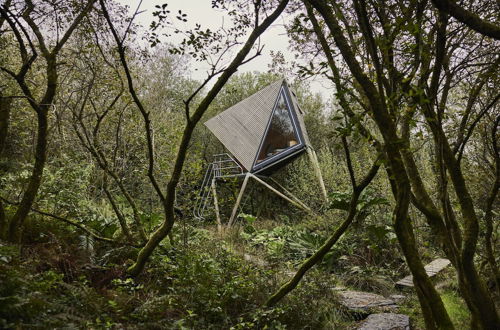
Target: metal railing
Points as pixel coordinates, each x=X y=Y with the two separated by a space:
x=223 y=166
x=226 y=166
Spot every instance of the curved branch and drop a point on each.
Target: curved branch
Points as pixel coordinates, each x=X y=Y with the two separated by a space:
x=490 y=202
x=168 y=204
x=473 y=126
x=68 y=221
x=468 y=18
x=137 y=101
x=330 y=242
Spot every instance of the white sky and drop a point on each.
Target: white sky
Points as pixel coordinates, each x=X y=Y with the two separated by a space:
x=200 y=11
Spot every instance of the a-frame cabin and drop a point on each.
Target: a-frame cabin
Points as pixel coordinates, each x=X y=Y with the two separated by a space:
x=262 y=133
x=264 y=130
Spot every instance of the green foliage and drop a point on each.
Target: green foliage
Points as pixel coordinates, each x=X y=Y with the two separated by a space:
x=454 y=304
x=60 y=278
x=272 y=241
x=248 y=222
x=209 y=287
x=184 y=287
x=65 y=187
x=341 y=200
x=289 y=244
x=26 y=297
x=379 y=239
x=369 y=278
x=8 y=253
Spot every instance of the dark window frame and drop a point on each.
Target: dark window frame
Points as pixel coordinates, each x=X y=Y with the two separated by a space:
x=285 y=91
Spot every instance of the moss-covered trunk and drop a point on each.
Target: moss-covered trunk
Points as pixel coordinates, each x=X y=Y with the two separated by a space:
x=5 y=106
x=475 y=292
x=434 y=312
x=332 y=240
x=29 y=195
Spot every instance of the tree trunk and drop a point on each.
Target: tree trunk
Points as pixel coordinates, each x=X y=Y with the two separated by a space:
x=481 y=304
x=17 y=221
x=5 y=106
x=332 y=240
x=3 y=221
x=435 y=315
x=121 y=219
x=155 y=239
x=317 y=256
x=41 y=108
x=488 y=217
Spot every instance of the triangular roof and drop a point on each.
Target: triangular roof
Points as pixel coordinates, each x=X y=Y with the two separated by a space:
x=243 y=127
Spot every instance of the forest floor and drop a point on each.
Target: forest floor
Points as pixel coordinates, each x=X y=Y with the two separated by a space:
x=199 y=280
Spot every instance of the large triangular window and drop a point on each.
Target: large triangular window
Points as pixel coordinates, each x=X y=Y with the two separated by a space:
x=281 y=134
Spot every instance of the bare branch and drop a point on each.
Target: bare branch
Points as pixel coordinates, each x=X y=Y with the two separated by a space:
x=130 y=23
x=473 y=126
x=73 y=26
x=137 y=101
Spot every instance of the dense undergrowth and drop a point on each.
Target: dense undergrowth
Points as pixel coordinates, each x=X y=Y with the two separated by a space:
x=196 y=280
x=101 y=133
x=58 y=282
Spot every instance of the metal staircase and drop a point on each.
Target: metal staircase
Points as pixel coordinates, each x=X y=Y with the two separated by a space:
x=223 y=166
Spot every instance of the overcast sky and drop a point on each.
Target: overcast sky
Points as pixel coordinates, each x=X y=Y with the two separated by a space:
x=200 y=11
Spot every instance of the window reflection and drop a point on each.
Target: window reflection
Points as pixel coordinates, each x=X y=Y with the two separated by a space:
x=281 y=134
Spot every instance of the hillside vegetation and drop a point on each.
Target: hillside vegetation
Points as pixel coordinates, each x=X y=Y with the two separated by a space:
x=103 y=152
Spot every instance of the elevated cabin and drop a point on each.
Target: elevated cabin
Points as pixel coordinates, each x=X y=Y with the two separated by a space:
x=264 y=131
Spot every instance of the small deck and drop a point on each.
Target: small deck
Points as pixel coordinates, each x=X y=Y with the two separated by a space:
x=431 y=269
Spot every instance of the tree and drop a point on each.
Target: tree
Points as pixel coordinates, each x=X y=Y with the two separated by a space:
x=168 y=197
x=29 y=53
x=389 y=78
x=357 y=189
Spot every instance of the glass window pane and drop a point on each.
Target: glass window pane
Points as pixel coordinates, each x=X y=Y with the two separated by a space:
x=281 y=134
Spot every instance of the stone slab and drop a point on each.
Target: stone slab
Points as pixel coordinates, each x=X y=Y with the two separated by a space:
x=386 y=321
x=431 y=269
x=358 y=301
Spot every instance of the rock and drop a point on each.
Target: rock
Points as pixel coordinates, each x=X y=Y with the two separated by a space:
x=386 y=321
x=358 y=301
x=431 y=269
